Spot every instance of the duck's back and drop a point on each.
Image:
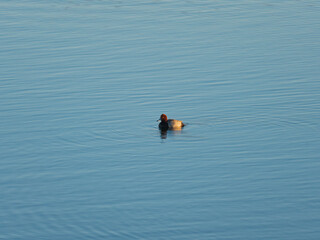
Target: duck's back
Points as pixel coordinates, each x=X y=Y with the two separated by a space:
x=172 y=123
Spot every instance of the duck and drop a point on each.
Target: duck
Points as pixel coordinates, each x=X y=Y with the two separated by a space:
x=169 y=124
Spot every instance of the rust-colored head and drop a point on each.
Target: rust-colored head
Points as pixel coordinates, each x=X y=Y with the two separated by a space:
x=163 y=118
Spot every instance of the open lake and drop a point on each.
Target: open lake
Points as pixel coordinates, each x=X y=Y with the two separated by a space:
x=82 y=84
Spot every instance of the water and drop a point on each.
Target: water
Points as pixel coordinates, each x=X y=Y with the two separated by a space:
x=83 y=83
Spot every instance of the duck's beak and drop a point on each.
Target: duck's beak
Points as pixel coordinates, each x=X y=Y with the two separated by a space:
x=159 y=120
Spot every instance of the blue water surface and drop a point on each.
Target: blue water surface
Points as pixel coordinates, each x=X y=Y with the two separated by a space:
x=82 y=84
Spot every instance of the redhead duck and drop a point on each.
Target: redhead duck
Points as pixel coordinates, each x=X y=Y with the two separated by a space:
x=171 y=124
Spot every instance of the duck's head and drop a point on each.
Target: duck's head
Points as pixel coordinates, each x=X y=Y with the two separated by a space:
x=163 y=118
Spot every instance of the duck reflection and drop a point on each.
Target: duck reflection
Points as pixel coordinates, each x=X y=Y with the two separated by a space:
x=164 y=133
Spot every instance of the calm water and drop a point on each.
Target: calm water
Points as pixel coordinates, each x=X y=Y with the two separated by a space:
x=83 y=82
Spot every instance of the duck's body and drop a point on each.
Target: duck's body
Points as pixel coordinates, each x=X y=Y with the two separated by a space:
x=170 y=124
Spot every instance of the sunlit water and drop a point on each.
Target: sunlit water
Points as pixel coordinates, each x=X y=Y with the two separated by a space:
x=83 y=82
